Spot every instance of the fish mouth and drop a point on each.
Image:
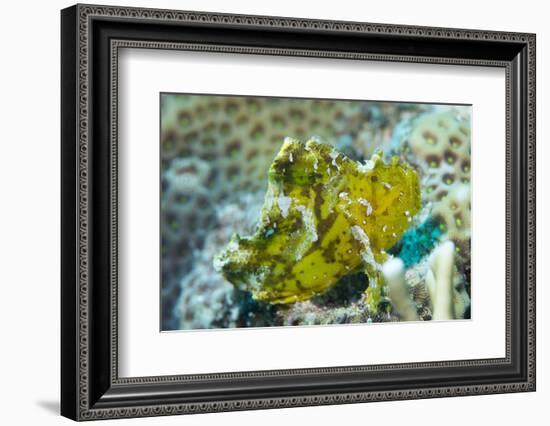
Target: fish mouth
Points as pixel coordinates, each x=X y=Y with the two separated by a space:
x=234 y=264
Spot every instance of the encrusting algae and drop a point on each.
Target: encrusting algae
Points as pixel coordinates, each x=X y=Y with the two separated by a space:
x=324 y=216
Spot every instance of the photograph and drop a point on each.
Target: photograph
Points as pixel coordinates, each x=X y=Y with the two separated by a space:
x=281 y=211
x=275 y=208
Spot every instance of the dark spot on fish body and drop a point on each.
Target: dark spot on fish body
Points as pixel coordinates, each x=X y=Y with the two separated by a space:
x=318 y=200
x=300 y=286
x=296 y=225
x=329 y=253
x=278 y=286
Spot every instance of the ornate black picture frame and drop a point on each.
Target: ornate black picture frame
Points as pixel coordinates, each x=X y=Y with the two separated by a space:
x=90 y=38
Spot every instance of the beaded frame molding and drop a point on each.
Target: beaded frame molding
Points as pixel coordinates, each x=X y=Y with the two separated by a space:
x=91 y=37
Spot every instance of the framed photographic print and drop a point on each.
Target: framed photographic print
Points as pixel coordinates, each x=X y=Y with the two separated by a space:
x=344 y=211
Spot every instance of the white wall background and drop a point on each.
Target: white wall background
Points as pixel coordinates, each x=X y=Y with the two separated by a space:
x=29 y=213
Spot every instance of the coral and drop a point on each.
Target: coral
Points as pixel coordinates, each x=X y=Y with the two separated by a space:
x=398 y=290
x=324 y=216
x=309 y=313
x=431 y=289
x=441 y=137
x=241 y=135
x=185 y=200
x=449 y=298
x=417 y=242
x=379 y=120
x=454 y=212
x=439 y=280
x=206 y=299
x=438 y=144
x=185 y=205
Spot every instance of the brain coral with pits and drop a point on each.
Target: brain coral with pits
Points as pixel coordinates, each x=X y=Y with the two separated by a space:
x=240 y=136
x=438 y=143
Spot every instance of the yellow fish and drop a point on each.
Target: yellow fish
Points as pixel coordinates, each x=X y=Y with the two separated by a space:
x=324 y=216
